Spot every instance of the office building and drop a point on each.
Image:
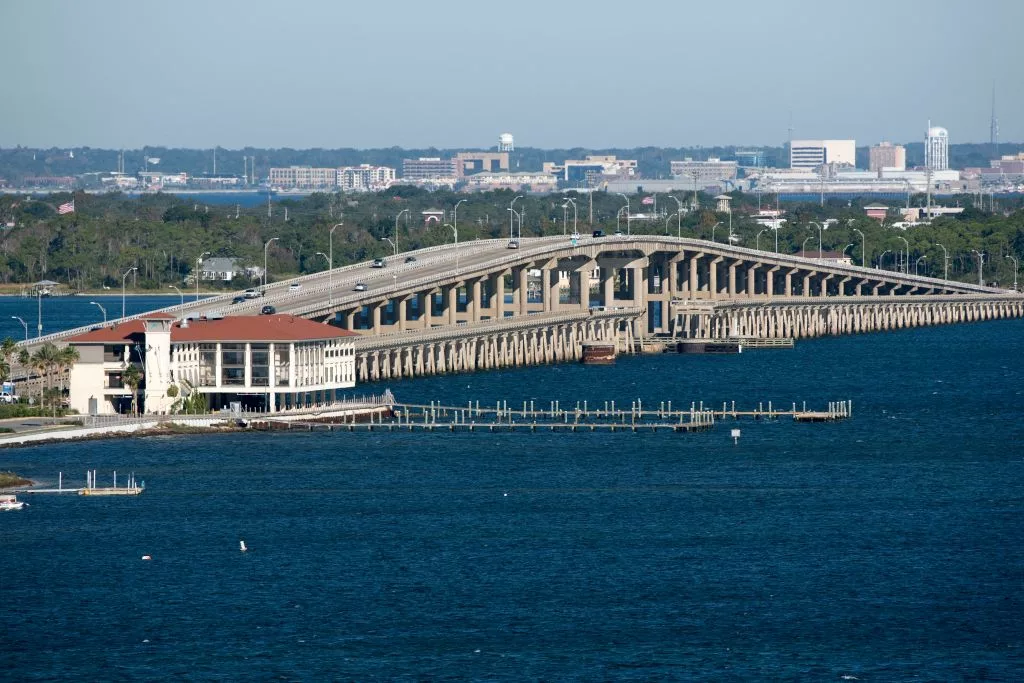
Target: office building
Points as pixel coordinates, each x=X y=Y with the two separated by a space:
x=704 y=172
x=887 y=155
x=303 y=178
x=365 y=178
x=815 y=153
x=753 y=158
x=263 y=362
x=468 y=163
x=429 y=168
x=591 y=171
x=936 y=148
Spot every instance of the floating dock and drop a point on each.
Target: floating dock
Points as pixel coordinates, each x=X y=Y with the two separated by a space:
x=132 y=488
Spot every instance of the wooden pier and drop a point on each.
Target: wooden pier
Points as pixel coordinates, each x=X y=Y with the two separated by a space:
x=132 y=487
x=581 y=417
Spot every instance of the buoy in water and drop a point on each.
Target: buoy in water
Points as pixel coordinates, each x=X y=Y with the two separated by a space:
x=147 y=557
x=241 y=546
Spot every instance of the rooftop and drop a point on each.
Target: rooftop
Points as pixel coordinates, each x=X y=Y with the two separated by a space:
x=263 y=328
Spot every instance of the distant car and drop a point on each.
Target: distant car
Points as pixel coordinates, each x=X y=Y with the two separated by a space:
x=252 y=294
x=618 y=233
x=575 y=236
x=360 y=287
x=410 y=259
x=599 y=233
x=513 y=244
x=294 y=287
x=268 y=310
x=238 y=300
x=378 y=263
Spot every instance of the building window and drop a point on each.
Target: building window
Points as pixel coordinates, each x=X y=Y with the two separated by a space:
x=232 y=367
x=207 y=365
x=260 y=365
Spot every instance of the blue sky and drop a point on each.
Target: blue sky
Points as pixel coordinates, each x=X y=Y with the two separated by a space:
x=457 y=73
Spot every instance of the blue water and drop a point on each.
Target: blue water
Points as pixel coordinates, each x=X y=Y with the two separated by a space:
x=66 y=312
x=888 y=547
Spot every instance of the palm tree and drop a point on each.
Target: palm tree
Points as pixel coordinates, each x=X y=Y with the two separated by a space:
x=132 y=378
x=8 y=347
x=66 y=359
x=43 y=361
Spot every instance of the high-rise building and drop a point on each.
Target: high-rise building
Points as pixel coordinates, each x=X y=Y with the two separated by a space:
x=429 y=168
x=815 y=153
x=936 y=148
x=887 y=155
x=365 y=177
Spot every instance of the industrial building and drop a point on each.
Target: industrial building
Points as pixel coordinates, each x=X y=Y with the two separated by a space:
x=887 y=155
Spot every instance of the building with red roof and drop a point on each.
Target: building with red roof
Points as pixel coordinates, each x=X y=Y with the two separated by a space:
x=266 y=362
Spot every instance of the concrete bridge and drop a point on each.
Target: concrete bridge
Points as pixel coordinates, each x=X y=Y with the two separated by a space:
x=483 y=304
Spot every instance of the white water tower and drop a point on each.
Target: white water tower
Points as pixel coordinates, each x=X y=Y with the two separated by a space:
x=506 y=143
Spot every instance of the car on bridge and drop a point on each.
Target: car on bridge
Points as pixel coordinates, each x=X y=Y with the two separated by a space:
x=253 y=294
x=378 y=263
x=268 y=310
x=238 y=300
x=513 y=244
x=360 y=287
x=410 y=259
x=294 y=287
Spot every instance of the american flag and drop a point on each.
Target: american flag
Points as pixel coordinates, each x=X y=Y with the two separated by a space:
x=647 y=200
x=67 y=207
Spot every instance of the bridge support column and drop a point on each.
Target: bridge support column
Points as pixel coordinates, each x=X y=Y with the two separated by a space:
x=607 y=287
x=452 y=304
x=375 y=308
x=401 y=315
x=427 y=309
x=713 y=276
x=498 y=294
x=476 y=301
x=522 y=288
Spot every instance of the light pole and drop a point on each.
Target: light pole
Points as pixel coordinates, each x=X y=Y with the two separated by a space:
x=96 y=303
x=512 y=216
x=863 y=248
x=326 y=257
x=918 y=263
x=124 y=279
x=618 y=215
x=456 y=231
x=565 y=218
x=981 y=261
x=803 y=249
x=266 y=277
x=906 y=261
x=455 y=219
x=391 y=242
x=667 y=219
x=851 y=244
x=181 y=295
x=818 y=225
x=880 y=257
x=39 y=302
x=199 y=262
x=757 y=240
x=396 y=229
x=330 y=264
x=628 y=232
x=945 y=262
x=23 y=324
x=713 y=230
x=1014 y=259
x=570 y=200
x=679 y=217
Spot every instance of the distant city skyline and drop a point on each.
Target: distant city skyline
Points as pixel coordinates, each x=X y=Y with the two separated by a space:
x=454 y=74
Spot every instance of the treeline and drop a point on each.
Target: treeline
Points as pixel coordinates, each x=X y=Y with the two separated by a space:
x=163 y=235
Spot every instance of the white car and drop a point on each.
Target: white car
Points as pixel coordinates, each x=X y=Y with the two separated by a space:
x=574 y=237
x=294 y=287
x=513 y=244
x=360 y=287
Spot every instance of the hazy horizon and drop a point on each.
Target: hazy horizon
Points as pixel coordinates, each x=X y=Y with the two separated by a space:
x=456 y=74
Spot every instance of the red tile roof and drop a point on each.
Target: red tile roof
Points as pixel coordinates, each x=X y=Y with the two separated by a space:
x=263 y=328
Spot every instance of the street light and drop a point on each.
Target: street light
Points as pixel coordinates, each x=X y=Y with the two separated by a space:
x=667 y=219
x=981 y=262
x=181 y=295
x=330 y=264
x=906 y=261
x=618 y=215
x=96 y=303
x=396 y=229
x=863 y=248
x=818 y=225
x=124 y=279
x=570 y=200
x=713 y=230
x=23 y=324
x=326 y=257
x=679 y=217
x=945 y=262
x=456 y=217
x=456 y=231
x=628 y=232
x=1014 y=259
x=757 y=240
x=803 y=249
x=851 y=244
x=199 y=261
x=265 y=273
x=880 y=257
x=917 y=263
x=512 y=216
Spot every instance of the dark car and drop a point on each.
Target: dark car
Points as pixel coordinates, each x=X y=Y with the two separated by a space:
x=599 y=233
x=268 y=310
x=410 y=259
x=238 y=300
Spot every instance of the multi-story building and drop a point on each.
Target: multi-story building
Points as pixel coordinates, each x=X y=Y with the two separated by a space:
x=936 y=148
x=815 y=153
x=887 y=155
x=750 y=157
x=429 y=168
x=704 y=172
x=365 y=177
x=534 y=182
x=468 y=163
x=303 y=178
x=266 y=362
x=590 y=171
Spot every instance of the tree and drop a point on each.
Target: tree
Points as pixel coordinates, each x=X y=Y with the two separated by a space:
x=43 y=361
x=132 y=378
x=66 y=359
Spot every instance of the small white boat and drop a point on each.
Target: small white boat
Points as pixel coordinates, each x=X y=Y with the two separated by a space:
x=10 y=503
